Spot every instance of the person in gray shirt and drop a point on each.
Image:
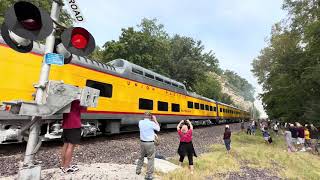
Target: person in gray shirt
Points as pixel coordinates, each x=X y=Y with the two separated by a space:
x=288 y=138
x=147 y=126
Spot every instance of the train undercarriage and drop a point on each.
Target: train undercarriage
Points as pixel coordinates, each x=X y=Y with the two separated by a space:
x=10 y=130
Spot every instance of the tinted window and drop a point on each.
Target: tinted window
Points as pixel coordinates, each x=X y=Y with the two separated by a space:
x=211 y=108
x=175 y=107
x=181 y=87
x=207 y=107
x=176 y=85
x=149 y=75
x=202 y=106
x=190 y=104
x=220 y=109
x=159 y=79
x=137 y=71
x=196 y=105
x=167 y=82
x=214 y=108
x=105 y=89
x=146 y=104
x=162 y=106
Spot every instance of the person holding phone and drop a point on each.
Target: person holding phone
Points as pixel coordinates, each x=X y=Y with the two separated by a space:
x=147 y=126
x=186 y=148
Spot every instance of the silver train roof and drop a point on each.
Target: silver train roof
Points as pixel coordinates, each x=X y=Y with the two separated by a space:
x=124 y=68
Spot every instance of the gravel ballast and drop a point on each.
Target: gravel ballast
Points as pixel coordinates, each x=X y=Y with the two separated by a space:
x=119 y=149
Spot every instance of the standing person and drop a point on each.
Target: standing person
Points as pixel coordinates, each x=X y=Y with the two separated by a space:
x=276 y=128
x=294 y=134
x=288 y=138
x=71 y=135
x=301 y=139
x=307 y=137
x=242 y=125
x=185 y=130
x=314 y=136
x=253 y=127
x=147 y=126
x=227 y=138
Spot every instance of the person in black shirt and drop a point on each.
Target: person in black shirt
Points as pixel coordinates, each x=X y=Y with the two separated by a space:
x=227 y=138
x=294 y=134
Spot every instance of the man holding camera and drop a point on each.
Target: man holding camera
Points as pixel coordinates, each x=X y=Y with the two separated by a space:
x=147 y=126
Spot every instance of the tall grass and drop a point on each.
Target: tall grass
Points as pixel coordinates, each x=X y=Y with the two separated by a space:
x=253 y=152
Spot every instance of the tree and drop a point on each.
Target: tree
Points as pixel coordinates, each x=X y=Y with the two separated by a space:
x=288 y=69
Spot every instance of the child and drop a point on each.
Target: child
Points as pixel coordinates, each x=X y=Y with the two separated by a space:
x=266 y=136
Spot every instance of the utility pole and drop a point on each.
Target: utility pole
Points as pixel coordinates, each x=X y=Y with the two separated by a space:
x=33 y=140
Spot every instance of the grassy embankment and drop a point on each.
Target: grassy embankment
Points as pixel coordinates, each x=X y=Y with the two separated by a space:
x=253 y=152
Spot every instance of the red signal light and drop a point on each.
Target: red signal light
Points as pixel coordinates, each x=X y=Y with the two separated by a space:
x=79 y=38
x=28 y=15
x=30 y=24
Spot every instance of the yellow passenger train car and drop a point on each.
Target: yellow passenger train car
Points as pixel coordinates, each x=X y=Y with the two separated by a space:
x=126 y=92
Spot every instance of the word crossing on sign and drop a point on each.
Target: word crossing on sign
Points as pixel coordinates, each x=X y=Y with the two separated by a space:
x=75 y=9
x=53 y=58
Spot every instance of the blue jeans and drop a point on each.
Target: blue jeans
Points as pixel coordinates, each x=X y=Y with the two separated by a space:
x=227 y=142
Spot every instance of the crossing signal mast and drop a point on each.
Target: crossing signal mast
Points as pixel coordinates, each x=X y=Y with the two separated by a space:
x=25 y=23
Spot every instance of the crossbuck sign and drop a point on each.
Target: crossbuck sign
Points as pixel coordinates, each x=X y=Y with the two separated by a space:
x=75 y=10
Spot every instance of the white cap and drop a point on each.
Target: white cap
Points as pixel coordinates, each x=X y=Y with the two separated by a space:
x=227 y=126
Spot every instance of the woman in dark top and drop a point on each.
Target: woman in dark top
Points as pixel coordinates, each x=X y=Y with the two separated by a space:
x=227 y=138
x=185 y=130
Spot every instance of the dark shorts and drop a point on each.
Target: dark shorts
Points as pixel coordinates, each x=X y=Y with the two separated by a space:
x=72 y=136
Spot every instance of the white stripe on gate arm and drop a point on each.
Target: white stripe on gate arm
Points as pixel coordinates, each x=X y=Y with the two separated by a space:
x=75 y=10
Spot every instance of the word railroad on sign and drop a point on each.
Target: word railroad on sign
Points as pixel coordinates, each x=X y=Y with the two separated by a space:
x=75 y=9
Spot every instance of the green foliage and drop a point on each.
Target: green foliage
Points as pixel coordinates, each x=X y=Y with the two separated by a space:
x=253 y=152
x=289 y=68
x=45 y=4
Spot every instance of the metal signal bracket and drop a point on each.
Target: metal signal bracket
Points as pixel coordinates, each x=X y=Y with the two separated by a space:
x=57 y=99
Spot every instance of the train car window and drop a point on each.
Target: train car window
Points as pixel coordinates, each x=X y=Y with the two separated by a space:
x=214 y=108
x=196 y=105
x=146 y=104
x=181 y=87
x=211 y=108
x=149 y=76
x=190 y=104
x=175 y=85
x=207 y=107
x=159 y=79
x=137 y=71
x=224 y=110
x=175 y=107
x=202 y=106
x=220 y=109
x=162 y=106
x=105 y=89
x=167 y=82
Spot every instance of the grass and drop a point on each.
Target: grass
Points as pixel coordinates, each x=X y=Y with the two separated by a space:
x=253 y=152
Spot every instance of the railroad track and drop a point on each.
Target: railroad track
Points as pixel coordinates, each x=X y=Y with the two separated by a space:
x=122 y=149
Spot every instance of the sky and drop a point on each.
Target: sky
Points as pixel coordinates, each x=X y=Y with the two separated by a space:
x=235 y=30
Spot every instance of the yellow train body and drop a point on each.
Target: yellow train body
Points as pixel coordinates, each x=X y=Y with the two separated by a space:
x=19 y=72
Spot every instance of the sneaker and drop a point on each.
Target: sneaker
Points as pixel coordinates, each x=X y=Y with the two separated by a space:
x=69 y=170
x=75 y=167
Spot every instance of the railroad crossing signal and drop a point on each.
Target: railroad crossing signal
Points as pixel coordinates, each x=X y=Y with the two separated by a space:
x=23 y=24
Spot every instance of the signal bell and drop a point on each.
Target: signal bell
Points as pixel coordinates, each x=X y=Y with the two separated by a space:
x=24 y=23
x=78 y=41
